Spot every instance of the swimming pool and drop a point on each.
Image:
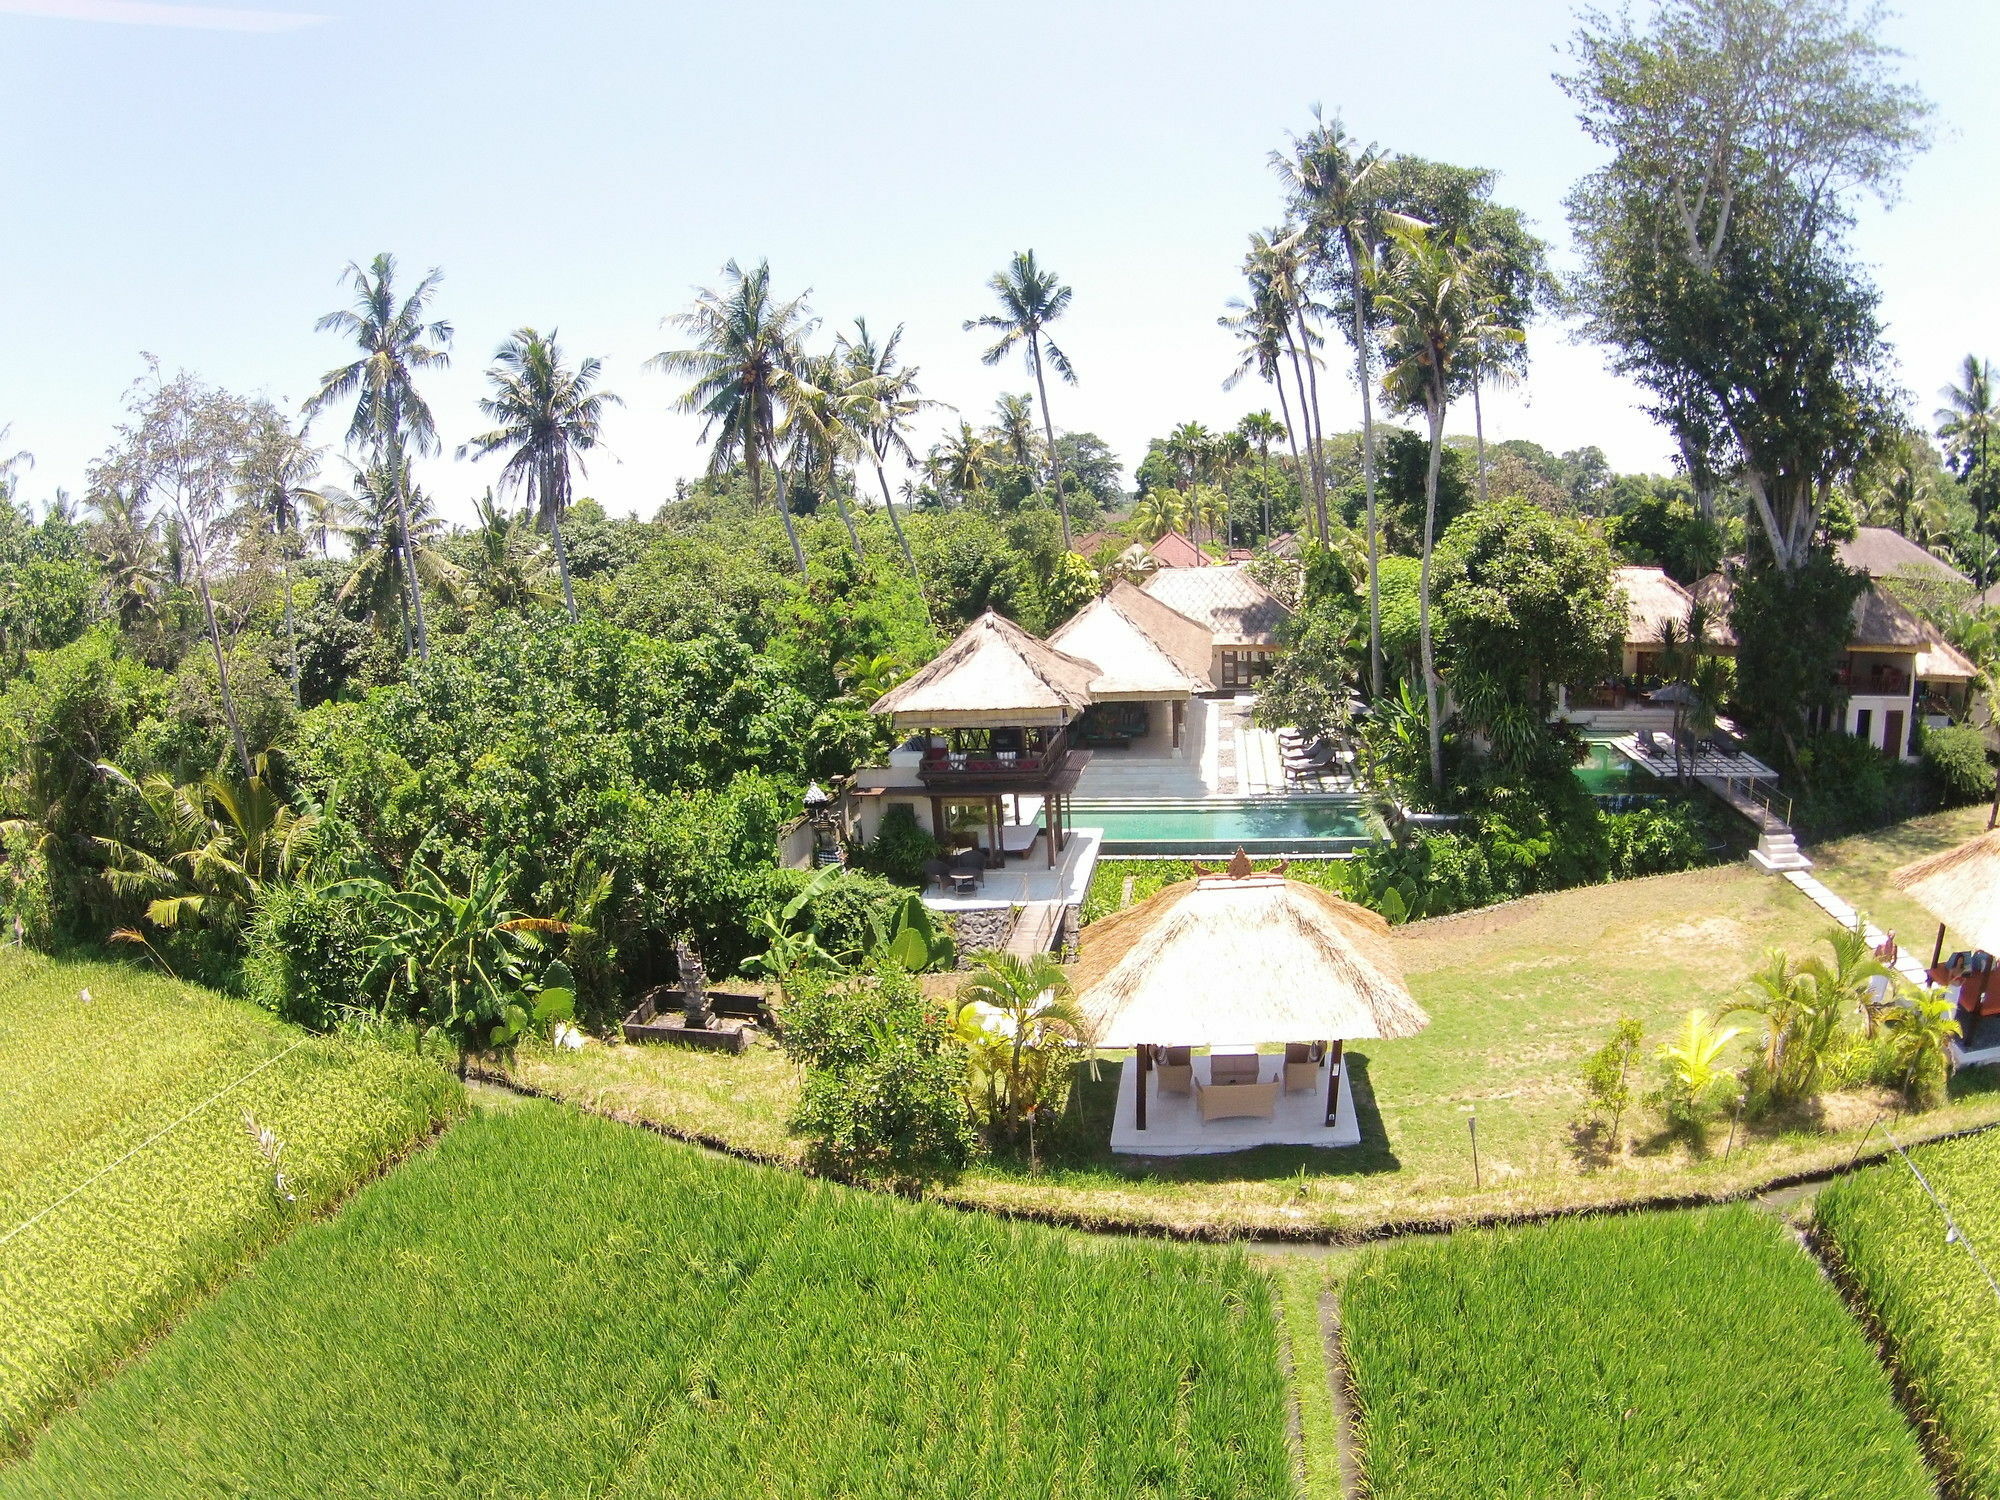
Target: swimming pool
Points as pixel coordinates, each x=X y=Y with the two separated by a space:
x=1260 y=825
x=1606 y=773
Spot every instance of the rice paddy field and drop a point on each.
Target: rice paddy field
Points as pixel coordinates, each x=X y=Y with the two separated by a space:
x=545 y=1303
x=1679 y=1355
x=121 y=1198
x=1928 y=1297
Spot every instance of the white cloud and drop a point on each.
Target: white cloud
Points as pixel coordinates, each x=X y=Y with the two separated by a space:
x=147 y=13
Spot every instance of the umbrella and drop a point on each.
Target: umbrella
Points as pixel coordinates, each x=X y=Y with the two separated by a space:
x=1674 y=695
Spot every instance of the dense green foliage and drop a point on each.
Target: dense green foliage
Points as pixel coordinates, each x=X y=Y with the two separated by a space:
x=1941 y=1317
x=1955 y=758
x=95 y=1062
x=544 y=1304
x=1624 y=1358
x=885 y=1079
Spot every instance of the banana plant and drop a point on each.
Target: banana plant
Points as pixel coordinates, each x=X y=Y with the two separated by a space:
x=913 y=942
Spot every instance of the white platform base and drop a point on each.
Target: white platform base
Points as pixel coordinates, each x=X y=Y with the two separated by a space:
x=1175 y=1128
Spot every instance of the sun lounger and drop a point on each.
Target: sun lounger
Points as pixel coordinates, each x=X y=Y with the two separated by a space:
x=1018 y=838
x=1236 y=1101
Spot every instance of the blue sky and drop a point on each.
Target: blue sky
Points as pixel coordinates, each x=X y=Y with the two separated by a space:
x=189 y=181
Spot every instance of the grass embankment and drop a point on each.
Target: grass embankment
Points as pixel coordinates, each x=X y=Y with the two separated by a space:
x=544 y=1304
x=1929 y=1298
x=1684 y=1354
x=90 y=1265
x=1518 y=997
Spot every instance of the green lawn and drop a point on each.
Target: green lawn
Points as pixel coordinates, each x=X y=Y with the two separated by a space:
x=1941 y=1317
x=1634 y=1358
x=91 y=1264
x=545 y=1304
x=1518 y=996
x=1859 y=868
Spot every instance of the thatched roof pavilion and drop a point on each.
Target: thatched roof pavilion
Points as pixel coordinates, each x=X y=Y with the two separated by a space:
x=995 y=673
x=1961 y=888
x=1240 y=962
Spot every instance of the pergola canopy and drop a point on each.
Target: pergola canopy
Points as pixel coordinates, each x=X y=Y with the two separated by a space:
x=1961 y=888
x=1221 y=962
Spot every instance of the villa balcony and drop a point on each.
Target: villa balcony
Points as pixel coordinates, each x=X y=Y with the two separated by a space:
x=1879 y=681
x=944 y=770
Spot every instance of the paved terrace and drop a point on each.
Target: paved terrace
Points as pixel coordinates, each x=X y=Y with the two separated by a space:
x=1235 y=759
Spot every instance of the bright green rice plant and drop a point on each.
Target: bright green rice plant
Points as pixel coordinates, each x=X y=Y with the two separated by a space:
x=1927 y=1294
x=137 y=1184
x=1685 y=1355
x=550 y=1304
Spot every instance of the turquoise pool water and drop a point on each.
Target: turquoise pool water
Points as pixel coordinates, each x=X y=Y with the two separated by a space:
x=1264 y=825
x=1606 y=773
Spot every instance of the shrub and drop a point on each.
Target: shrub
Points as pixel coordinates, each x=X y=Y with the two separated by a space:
x=884 y=1092
x=899 y=849
x=848 y=912
x=1655 y=840
x=307 y=955
x=1955 y=761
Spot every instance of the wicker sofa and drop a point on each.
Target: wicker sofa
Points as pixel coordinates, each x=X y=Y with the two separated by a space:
x=1237 y=1101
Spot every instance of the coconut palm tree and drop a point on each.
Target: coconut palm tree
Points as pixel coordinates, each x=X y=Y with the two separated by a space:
x=549 y=417
x=508 y=569
x=1013 y=429
x=1331 y=179
x=891 y=400
x=1261 y=323
x=744 y=339
x=822 y=425
x=127 y=547
x=383 y=565
x=962 y=460
x=1031 y=298
x=1438 y=310
x=1276 y=264
x=1159 y=512
x=12 y=464
x=1260 y=429
x=396 y=343
x=1967 y=423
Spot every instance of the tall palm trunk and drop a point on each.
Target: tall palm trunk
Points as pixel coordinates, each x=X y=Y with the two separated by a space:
x=292 y=632
x=1368 y=475
x=562 y=564
x=847 y=520
x=1479 y=435
x=1436 y=405
x=1049 y=431
x=1292 y=439
x=552 y=496
x=1264 y=456
x=896 y=524
x=1318 y=511
x=754 y=453
x=784 y=507
x=1318 y=431
x=399 y=483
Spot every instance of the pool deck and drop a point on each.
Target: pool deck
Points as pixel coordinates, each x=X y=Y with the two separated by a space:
x=1028 y=879
x=1234 y=759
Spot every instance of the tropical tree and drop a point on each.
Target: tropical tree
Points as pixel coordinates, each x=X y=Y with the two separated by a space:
x=1920 y=1032
x=1437 y=309
x=1019 y=1020
x=1260 y=429
x=508 y=569
x=182 y=451
x=216 y=844
x=1716 y=265
x=823 y=425
x=744 y=341
x=1159 y=512
x=1693 y=1083
x=1032 y=297
x=886 y=397
x=1803 y=1006
x=12 y=464
x=961 y=461
x=1281 y=302
x=1331 y=181
x=1967 y=424
x=1012 y=433
x=127 y=547
x=1263 y=322
x=383 y=562
x=390 y=417
x=276 y=480
x=549 y=416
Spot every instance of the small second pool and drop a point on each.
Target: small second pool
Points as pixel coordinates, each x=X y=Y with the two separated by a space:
x=1260 y=825
x=1606 y=773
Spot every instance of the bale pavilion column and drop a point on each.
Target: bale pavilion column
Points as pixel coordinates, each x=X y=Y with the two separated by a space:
x=1142 y=1055
x=1333 y=1083
x=937 y=819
